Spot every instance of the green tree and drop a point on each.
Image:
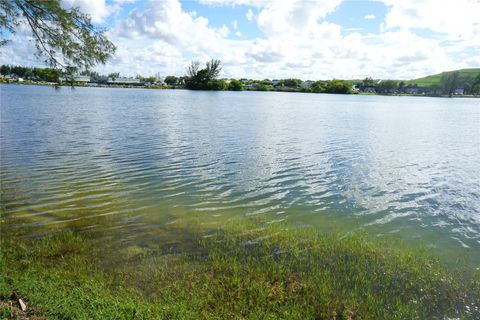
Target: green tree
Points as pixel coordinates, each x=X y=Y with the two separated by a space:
x=5 y=70
x=338 y=86
x=114 y=75
x=388 y=86
x=213 y=68
x=63 y=37
x=319 y=86
x=171 y=80
x=368 y=82
x=476 y=85
x=204 y=79
x=151 y=79
x=192 y=69
x=449 y=82
x=292 y=83
x=48 y=74
x=217 y=84
x=235 y=85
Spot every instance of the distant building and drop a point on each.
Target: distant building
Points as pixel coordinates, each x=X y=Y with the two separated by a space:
x=83 y=79
x=101 y=79
x=124 y=80
x=459 y=91
x=306 y=84
x=419 y=90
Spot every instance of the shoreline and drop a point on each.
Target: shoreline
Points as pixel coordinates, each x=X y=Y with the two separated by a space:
x=237 y=271
x=154 y=87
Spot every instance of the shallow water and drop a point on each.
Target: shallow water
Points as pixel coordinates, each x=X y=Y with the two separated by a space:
x=131 y=162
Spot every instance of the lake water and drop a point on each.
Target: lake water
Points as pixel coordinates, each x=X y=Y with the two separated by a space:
x=131 y=162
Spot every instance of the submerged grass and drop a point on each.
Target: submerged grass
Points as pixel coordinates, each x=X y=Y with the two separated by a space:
x=271 y=273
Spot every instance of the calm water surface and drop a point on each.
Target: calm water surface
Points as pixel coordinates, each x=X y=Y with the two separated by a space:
x=131 y=162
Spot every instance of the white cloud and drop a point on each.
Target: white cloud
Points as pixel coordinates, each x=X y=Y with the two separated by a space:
x=166 y=21
x=296 y=41
x=370 y=16
x=124 y=1
x=249 y=15
x=97 y=9
x=293 y=16
x=459 y=20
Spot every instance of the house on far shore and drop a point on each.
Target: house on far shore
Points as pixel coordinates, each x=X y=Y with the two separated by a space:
x=459 y=91
x=363 y=88
x=82 y=79
x=251 y=85
x=124 y=80
x=306 y=84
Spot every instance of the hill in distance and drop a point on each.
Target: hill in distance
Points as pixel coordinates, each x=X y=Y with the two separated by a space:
x=465 y=77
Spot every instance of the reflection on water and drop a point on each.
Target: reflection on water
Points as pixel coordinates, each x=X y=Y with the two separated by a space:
x=147 y=159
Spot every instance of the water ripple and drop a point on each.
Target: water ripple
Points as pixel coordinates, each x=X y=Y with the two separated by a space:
x=134 y=161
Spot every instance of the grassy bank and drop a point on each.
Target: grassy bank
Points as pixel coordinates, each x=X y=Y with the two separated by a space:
x=234 y=274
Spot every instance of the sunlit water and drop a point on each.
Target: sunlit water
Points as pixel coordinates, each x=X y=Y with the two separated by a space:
x=147 y=159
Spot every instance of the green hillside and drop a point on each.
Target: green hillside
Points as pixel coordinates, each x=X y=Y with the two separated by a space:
x=465 y=78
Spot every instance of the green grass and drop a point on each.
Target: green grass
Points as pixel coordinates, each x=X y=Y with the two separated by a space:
x=272 y=273
x=465 y=75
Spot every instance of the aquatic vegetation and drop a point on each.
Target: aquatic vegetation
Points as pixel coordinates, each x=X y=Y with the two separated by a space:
x=237 y=272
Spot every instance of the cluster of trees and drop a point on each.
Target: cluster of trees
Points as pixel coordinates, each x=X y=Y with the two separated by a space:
x=331 y=86
x=446 y=84
x=206 y=78
x=291 y=83
x=452 y=80
x=39 y=74
x=150 y=79
x=385 y=86
x=297 y=85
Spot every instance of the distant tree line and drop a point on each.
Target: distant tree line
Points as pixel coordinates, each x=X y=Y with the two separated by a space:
x=207 y=78
x=39 y=74
x=447 y=84
x=452 y=80
x=331 y=86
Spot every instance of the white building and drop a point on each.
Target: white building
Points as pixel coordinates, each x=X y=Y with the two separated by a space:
x=124 y=80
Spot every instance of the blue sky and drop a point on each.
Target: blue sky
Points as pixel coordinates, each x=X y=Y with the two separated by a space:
x=308 y=39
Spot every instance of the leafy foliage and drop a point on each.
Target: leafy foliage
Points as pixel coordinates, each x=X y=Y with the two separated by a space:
x=64 y=38
x=171 y=80
x=235 y=85
x=291 y=83
x=204 y=79
x=333 y=86
x=449 y=82
x=42 y=74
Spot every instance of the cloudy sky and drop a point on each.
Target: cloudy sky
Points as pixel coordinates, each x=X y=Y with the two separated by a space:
x=308 y=39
